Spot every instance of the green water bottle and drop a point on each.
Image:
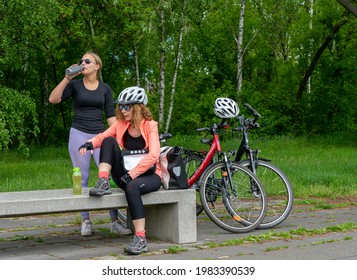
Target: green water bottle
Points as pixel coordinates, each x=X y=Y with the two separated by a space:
x=77 y=181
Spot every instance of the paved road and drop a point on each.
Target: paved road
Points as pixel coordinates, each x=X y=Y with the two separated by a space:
x=56 y=237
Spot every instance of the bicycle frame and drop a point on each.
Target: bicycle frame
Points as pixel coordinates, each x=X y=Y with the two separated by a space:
x=244 y=148
x=215 y=147
x=278 y=188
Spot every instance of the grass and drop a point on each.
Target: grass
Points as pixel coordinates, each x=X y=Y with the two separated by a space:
x=45 y=168
x=176 y=250
x=291 y=235
x=269 y=249
x=318 y=167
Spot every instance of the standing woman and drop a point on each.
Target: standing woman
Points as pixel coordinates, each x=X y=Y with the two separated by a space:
x=134 y=130
x=90 y=97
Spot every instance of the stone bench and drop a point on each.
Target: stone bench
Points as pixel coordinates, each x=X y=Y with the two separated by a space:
x=170 y=214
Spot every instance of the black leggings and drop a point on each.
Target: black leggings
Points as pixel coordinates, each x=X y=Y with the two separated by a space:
x=110 y=153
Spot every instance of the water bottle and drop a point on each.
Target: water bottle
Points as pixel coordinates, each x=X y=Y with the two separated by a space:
x=75 y=69
x=77 y=181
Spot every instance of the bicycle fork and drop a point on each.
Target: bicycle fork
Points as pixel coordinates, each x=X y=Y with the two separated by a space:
x=228 y=189
x=222 y=185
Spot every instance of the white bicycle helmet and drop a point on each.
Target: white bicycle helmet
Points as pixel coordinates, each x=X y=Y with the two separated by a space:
x=226 y=108
x=132 y=95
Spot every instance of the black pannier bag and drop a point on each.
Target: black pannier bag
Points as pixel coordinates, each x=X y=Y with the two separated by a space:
x=173 y=169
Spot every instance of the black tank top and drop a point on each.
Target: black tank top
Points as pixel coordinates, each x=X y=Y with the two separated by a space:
x=133 y=143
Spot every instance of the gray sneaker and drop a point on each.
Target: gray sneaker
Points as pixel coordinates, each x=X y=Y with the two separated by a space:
x=101 y=188
x=118 y=228
x=86 y=229
x=136 y=246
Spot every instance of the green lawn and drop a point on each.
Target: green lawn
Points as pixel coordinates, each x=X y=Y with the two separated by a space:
x=323 y=167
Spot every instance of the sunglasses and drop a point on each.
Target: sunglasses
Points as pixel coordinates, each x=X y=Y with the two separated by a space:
x=86 y=61
x=125 y=107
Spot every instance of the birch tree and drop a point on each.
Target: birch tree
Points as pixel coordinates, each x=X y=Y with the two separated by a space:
x=170 y=46
x=174 y=79
x=239 y=41
x=162 y=70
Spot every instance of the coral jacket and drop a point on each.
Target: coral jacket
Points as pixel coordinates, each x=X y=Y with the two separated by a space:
x=149 y=130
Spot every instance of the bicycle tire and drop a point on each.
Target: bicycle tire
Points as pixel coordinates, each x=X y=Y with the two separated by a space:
x=192 y=162
x=279 y=192
x=226 y=209
x=122 y=215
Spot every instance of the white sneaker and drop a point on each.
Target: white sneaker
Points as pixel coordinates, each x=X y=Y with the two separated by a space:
x=86 y=228
x=118 y=228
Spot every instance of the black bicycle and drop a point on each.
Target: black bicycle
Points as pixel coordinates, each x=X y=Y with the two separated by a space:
x=279 y=191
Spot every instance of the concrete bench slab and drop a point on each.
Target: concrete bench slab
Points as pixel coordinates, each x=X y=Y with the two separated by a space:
x=170 y=214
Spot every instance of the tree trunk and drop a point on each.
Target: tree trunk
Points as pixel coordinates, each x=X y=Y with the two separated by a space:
x=91 y=28
x=136 y=59
x=349 y=5
x=162 y=71
x=173 y=86
x=239 y=42
x=316 y=58
x=311 y=12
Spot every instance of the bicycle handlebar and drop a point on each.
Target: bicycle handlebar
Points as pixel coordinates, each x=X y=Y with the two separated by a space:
x=163 y=137
x=214 y=127
x=203 y=129
x=252 y=110
x=248 y=123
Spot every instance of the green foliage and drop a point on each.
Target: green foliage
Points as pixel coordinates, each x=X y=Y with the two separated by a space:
x=40 y=40
x=18 y=120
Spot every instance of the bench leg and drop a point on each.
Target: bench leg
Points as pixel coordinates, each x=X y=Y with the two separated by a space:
x=175 y=222
x=171 y=222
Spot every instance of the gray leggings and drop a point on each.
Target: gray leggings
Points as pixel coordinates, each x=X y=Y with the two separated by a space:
x=76 y=139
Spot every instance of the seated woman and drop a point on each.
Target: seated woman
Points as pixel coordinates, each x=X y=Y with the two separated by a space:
x=134 y=130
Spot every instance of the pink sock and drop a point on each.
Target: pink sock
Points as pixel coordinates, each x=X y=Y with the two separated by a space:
x=140 y=233
x=103 y=174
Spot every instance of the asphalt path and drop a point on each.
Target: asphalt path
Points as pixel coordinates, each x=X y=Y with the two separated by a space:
x=310 y=234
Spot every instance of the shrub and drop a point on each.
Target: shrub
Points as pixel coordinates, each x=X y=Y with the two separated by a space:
x=18 y=120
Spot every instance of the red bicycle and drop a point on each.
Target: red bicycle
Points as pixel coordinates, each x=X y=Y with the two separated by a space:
x=231 y=195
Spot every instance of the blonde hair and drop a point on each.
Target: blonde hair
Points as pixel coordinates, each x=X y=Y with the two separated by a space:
x=140 y=112
x=98 y=61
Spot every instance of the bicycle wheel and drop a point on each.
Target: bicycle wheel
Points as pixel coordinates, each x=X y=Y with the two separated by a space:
x=279 y=192
x=122 y=215
x=238 y=209
x=192 y=162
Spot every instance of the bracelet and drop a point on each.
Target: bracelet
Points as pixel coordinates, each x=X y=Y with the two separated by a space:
x=68 y=78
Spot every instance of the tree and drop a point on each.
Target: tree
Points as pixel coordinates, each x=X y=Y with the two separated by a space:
x=349 y=5
x=316 y=57
x=186 y=54
x=17 y=130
